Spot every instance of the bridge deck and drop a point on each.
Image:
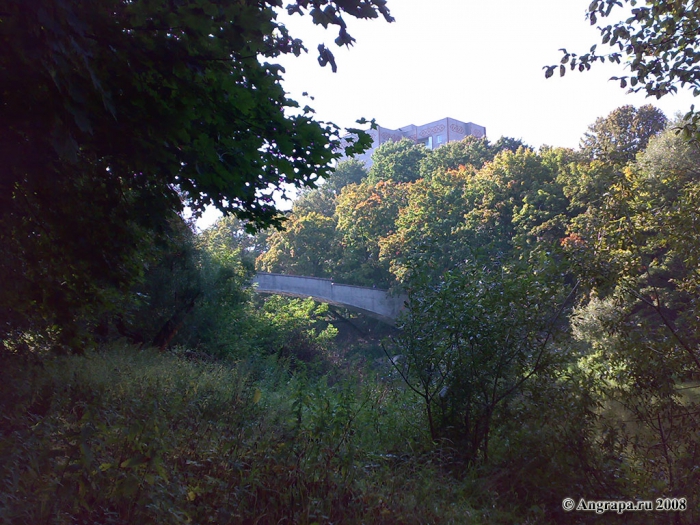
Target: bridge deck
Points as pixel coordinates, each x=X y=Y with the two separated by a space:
x=370 y=300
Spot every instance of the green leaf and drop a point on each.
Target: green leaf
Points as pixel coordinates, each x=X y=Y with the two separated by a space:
x=134 y=461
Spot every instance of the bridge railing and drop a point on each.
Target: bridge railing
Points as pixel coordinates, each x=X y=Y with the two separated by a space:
x=372 y=300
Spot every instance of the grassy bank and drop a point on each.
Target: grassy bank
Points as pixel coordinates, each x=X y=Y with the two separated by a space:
x=127 y=436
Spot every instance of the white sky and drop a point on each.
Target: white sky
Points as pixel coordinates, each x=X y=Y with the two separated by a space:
x=473 y=60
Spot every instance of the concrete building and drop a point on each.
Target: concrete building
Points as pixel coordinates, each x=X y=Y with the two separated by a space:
x=432 y=135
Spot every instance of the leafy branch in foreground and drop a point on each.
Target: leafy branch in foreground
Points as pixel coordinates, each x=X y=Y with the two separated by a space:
x=115 y=114
x=659 y=42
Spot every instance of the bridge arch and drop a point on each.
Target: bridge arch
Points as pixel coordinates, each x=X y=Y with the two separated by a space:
x=372 y=301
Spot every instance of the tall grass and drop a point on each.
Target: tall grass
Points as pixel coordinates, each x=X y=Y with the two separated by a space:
x=125 y=436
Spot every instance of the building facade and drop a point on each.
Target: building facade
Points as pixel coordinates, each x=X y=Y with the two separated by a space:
x=432 y=135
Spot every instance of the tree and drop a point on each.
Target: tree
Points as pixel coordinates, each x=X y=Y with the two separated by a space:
x=509 y=144
x=307 y=246
x=123 y=110
x=177 y=94
x=429 y=234
x=470 y=151
x=323 y=199
x=660 y=42
x=317 y=200
x=351 y=171
x=397 y=161
x=296 y=329
x=636 y=251
x=196 y=293
x=585 y=182
x=472 y=340
x=231 y=233
x=224 y=320
x=625 y=132
x=366 y=213
x=640 y=232
x=511 y=205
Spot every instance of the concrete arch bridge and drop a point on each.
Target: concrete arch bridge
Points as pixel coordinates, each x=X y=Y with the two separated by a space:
x=372 y=301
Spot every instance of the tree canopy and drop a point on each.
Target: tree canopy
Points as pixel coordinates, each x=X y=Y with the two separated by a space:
x=470 y=151
x=172 y=96
x=623 y=133
x=115 y=113
x=398 y=161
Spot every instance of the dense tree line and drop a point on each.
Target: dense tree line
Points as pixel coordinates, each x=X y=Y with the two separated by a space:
x=358 y=215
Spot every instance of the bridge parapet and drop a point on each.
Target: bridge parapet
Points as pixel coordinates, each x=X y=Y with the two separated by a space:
x=370 y=300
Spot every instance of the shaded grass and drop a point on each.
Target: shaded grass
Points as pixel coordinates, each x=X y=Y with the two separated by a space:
x=122 y=436
x=125 y=436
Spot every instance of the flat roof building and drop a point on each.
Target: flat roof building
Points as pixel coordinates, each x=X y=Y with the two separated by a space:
x=432 y=135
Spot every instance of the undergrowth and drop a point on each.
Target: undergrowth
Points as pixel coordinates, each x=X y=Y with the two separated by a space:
x=125 y=436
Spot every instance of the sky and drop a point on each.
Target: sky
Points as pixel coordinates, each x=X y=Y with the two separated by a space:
x=478 y=61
